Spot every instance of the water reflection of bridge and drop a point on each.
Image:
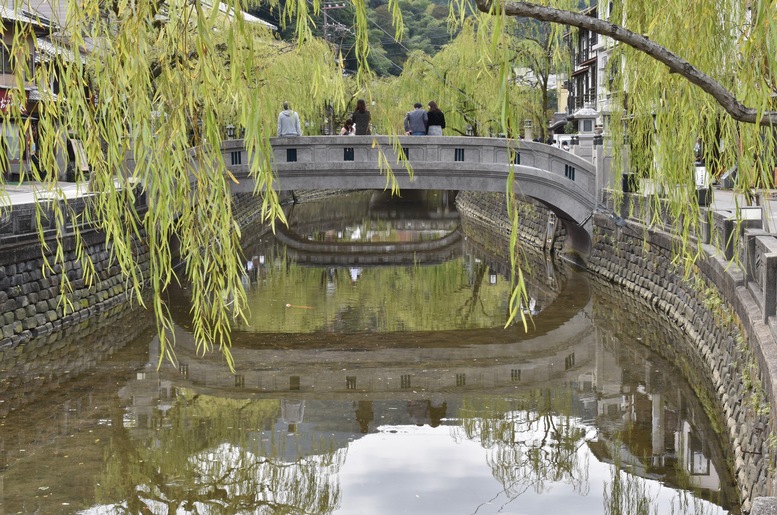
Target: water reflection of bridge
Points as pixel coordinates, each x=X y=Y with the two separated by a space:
x=329 y=253
x=397 y=364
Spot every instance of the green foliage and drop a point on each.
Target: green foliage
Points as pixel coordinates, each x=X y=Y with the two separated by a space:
x=467 y=84
x=166 y=90
x=666 y=114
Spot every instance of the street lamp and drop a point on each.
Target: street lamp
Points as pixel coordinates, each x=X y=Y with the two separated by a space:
x=230 y=131
x=470 y=130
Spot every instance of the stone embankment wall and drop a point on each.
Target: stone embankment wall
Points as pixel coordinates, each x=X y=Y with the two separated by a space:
x=37 y=300
x=718 y=356
x=721 y=353
x=34 y=369
x=36 y=303
x=488 y=209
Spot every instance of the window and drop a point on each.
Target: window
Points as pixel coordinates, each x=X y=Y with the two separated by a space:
x=10 y=141
x=293 y=382
x=458 y=154
x=348 y=154
x=291 y=155
x=5 y=60
x=6 y=65
x=236 y=157
x=404 y=381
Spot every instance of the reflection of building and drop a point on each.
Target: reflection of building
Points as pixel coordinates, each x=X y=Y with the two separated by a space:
x=645 y=425
x=292 y=413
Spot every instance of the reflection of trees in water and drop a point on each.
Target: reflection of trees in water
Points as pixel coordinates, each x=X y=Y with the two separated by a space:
x=530 y=441
x=434 y=297
x=214 y=455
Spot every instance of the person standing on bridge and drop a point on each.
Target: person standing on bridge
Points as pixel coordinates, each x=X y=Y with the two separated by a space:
x=361 y=118
x=436 y=119
x=288 y=122
x=416 y=121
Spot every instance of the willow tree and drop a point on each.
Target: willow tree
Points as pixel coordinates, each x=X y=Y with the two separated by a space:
x=171 y=75
x=466 y=86
x=685 y=73
x=540 y=51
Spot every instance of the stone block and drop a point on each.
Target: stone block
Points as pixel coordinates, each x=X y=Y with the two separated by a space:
x=764 y=506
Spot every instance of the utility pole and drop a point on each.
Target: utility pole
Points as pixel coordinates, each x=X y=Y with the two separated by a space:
x=326 y=7
x=328 y=127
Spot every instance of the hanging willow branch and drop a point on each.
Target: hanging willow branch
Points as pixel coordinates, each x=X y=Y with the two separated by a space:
x=676 y=64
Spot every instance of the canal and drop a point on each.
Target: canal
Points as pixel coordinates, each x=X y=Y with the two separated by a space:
x=373 y=375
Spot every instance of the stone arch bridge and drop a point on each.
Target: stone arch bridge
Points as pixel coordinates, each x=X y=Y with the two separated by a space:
x=564 y=182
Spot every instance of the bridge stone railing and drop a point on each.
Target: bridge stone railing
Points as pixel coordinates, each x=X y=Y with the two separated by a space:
x=550 y=174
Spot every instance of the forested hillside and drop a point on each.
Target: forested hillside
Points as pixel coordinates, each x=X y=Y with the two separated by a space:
x=425 y=28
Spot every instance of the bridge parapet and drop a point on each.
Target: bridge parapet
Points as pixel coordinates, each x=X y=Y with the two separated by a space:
x=451 y=154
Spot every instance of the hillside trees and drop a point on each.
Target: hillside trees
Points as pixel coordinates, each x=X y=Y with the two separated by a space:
x=424 y=27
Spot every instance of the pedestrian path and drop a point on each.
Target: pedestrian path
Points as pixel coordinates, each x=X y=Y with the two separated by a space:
x=19 y=194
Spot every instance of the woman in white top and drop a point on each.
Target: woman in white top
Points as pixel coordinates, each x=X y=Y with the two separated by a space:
x=348 y=129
